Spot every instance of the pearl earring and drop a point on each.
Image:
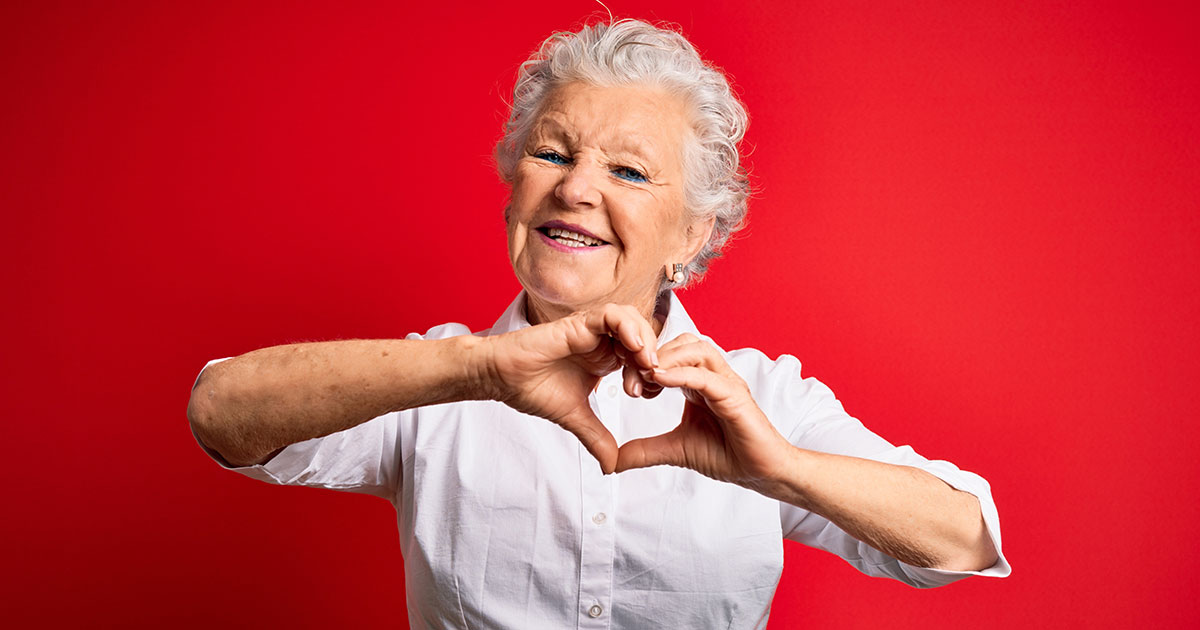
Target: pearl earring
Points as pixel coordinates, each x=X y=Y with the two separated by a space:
x=677 y=276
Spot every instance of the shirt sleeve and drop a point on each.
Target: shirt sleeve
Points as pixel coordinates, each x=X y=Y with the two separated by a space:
x=819 y=422
x=361 y=459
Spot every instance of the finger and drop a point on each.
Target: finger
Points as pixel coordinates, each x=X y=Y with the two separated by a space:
x=582 y=334
x=598 y=323
x=621 y=352
x=594 y=436
x=651 y=390
x=614 y=320
x=628 y=327
x=704 y=382
x=697 y=353
x=632 y=380
x=602 y=359
x=639 y=328
x=684 y=350
x=629 y=334
x=681 y=340
x=665 y=449
x=649 y=354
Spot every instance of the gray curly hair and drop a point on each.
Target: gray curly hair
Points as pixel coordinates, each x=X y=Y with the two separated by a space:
x=627 y=52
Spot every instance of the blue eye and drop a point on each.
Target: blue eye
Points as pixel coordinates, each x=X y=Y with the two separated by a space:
x=551 y=156
x=629 y=174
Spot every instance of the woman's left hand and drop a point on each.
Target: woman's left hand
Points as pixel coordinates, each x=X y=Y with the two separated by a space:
x=722 y=434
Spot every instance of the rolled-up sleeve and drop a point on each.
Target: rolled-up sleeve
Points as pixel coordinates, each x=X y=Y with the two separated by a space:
x=816 y=531
x=808 y=413
x=361 y=459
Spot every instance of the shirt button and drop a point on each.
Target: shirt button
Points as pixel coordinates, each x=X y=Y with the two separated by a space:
x=612 y=391
x=595 y=611
x=599 y=518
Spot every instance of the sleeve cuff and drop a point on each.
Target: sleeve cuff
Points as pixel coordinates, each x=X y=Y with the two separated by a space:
x=925 y=577
x=274 y=470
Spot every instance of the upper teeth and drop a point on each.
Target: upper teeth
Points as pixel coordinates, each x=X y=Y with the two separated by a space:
x=574 y=239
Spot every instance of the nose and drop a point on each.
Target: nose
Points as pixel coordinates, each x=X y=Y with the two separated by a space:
x=577 y=188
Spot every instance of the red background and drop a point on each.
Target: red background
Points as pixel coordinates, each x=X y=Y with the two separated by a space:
x=980 y=225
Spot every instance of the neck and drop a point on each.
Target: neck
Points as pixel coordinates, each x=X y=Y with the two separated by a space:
x=538 y=311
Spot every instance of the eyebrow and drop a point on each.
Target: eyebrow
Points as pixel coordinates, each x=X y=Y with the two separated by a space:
x=626 y=143
x=637 y=146
x=555 y=127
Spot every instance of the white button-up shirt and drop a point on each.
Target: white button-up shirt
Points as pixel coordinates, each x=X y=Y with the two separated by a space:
x=506 y=520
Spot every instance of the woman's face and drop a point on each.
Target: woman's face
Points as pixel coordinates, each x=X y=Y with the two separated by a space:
x=597 y=213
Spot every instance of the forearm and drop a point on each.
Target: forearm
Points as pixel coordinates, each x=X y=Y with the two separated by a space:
x=249 y=406
x=902 y=511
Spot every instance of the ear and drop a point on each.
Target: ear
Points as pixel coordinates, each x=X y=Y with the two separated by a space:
x=696 y=235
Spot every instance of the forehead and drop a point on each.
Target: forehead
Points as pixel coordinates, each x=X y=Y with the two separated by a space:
x=646 y=120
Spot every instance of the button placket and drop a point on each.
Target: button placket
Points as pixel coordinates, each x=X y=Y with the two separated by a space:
x=598 y=501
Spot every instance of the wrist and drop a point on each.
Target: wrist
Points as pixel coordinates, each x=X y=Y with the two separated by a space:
x=788 y=481
x=479 y=362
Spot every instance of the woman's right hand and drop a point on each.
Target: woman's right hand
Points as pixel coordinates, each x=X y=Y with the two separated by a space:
x=549 y=370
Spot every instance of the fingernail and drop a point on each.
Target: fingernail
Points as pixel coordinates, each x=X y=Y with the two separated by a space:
x=638 y=341
x=654 y=358
x=637 y=389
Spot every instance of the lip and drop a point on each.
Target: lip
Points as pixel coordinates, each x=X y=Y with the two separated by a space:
x=563 y=248
x=562 y=225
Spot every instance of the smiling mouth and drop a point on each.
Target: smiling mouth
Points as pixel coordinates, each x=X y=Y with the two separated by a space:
x=569 y=238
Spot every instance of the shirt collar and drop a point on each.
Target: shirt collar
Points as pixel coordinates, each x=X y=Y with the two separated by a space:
x=513 y=317
x=677 y=319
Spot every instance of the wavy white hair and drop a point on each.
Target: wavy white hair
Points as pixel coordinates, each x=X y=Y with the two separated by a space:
x=627 y=52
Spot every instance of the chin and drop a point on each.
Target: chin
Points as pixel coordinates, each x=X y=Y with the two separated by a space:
x=568 y=290
x=568 y=294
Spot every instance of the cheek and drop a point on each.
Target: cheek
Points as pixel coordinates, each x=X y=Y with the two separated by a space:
x=659 y=228
x=530 y=184
x=516 y=233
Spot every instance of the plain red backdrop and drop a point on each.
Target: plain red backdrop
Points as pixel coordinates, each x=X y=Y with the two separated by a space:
x=979 y=224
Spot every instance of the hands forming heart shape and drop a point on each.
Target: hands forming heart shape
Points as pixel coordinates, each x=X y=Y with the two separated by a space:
x=550 y=369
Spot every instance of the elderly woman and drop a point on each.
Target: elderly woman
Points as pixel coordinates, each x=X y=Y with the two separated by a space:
x=621 y=153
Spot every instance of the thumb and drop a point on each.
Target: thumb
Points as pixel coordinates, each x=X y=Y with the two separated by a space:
x=595 y=437
x=651 y=451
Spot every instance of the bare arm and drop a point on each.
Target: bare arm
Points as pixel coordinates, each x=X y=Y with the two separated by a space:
x=904 y=512
x=252 y=405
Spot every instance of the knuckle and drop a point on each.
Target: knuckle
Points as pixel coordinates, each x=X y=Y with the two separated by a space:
x=577 y=321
